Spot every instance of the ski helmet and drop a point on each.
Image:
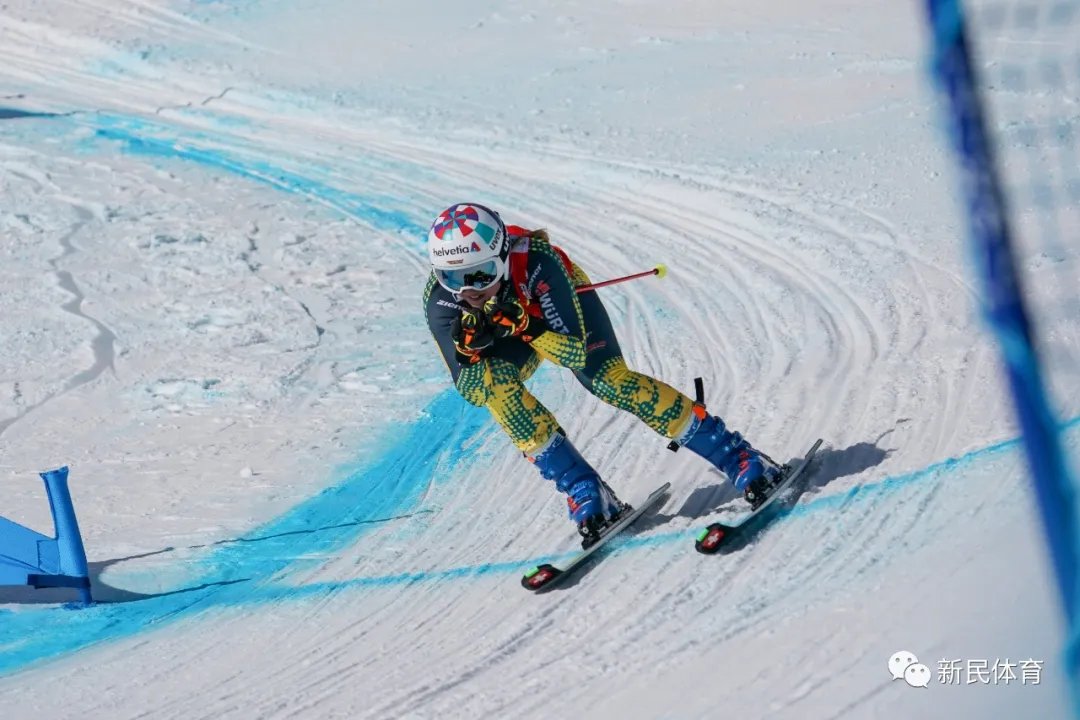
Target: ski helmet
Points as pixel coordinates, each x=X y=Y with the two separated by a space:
x=468 y=247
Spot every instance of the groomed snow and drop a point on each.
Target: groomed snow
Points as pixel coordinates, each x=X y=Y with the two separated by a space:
x=212 y=219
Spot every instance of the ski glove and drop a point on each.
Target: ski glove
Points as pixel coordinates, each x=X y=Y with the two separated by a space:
x=509 y=318
x=472 y=335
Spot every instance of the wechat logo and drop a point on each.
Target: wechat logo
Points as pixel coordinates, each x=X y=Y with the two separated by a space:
x=905 y=666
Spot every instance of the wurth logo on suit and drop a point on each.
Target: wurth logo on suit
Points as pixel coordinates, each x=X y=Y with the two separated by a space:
x=547 y=306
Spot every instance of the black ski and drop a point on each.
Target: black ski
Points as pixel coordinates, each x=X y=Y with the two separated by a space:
x=712 y=538
x=542 y=577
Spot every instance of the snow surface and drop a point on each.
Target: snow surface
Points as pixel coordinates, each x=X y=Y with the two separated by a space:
x=212 y=218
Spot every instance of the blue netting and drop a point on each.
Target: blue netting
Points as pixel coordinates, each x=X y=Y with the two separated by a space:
x=1011 y=73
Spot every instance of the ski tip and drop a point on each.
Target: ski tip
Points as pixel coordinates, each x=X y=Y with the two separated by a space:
x=539 y=576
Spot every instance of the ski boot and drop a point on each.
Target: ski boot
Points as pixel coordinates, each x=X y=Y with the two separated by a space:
x=749 y=471
x=760 y=488
x=591 y=503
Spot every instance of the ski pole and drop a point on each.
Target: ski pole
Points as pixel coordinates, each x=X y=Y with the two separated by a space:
x=659 y=271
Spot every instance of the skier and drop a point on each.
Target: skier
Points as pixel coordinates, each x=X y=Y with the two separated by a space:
x=499 y=300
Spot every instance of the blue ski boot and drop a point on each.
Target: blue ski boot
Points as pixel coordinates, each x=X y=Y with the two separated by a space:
x=749 y=471
x=591 y=503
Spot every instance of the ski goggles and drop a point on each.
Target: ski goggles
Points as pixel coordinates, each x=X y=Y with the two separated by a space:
x=475 y=277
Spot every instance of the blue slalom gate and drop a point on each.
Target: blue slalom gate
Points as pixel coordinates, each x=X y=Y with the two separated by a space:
x=29 y=558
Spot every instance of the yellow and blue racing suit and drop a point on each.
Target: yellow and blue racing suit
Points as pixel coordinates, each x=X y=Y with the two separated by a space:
x=579 y=337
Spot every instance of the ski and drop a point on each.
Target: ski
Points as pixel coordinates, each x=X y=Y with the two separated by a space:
x=543 y=576
x=716 y=535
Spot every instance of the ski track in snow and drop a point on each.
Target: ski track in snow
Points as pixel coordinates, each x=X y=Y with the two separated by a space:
x=387 y=587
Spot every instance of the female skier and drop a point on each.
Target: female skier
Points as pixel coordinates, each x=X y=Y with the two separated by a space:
x=499 y=300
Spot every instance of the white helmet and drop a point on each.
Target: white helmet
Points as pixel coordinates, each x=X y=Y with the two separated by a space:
x=468 y=248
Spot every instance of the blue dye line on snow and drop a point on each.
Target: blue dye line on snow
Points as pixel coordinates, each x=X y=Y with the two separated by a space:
x=234 y=575
x=139 y=137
